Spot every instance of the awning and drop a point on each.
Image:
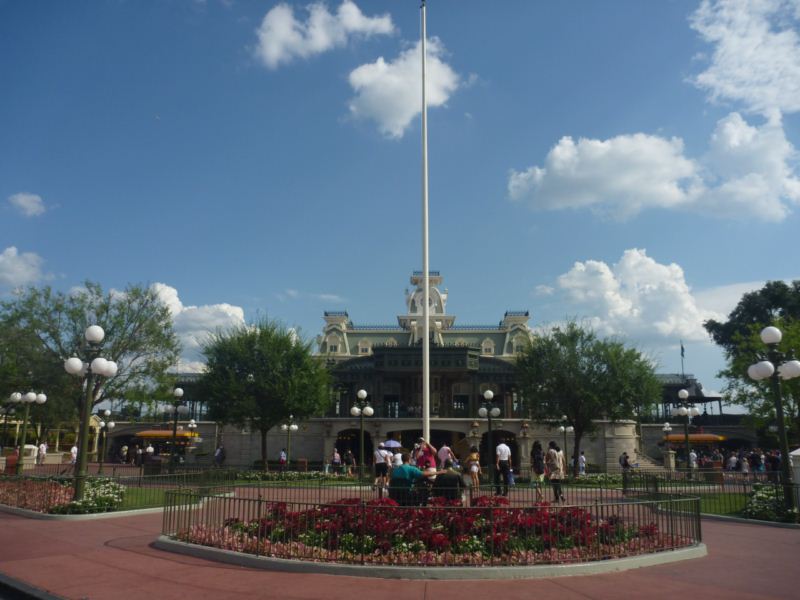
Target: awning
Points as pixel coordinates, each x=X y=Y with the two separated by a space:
x=165 y=434
x=700 y=438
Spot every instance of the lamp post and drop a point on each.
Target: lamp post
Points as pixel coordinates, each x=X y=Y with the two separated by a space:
x=688 y=411
x=789 y=369
x=91 y=372
x=8 y=409
x=489 y=411
x=177 y=407
x=106 y=427
x=291 y=427
x=27 y=400
x=565 y=429
x=361 y=409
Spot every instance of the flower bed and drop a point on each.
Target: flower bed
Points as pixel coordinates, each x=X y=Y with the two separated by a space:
x=444 y=534
x=53 y=495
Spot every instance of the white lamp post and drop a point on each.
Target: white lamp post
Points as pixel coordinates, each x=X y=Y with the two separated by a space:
x=565 y=429
x=289 y=428
x=91 y=372
x=688 y=411
x=788 y=369
x=489 y=411
x=26 y=400
x=177 y=408
x=361 y=409
x=106 y=427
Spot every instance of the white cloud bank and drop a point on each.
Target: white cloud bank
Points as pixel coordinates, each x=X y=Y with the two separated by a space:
x=282 y=38
x=746 y=173
x=390 y=93
x=193 y=324
x=17 y=270
x=29 y=205
x=756 y=55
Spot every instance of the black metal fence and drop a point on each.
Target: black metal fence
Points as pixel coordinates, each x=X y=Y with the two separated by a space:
x=479 y=532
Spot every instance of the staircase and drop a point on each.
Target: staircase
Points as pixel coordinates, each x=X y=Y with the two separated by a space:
x=648 y=464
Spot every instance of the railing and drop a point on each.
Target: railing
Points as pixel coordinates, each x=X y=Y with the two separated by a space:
x=485 y=531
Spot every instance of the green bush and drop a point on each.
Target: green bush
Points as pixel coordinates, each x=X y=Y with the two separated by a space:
x=100 y=495
x=766 y=503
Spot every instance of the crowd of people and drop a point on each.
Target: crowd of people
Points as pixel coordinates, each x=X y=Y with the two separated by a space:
x=740 y=460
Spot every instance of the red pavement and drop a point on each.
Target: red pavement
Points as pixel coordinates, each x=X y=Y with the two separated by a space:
x=112 y=558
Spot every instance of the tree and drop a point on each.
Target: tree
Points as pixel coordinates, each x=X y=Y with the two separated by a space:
x=139 y=338
x=778 y=304
x=259 y=374
x=570 y=371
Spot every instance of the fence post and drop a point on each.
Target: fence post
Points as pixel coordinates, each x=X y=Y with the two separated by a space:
x=363 y=527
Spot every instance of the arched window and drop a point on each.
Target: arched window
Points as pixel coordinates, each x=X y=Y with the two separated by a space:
x=333 y=343
x=487 y=347
x=364 y=347
x=391 y=342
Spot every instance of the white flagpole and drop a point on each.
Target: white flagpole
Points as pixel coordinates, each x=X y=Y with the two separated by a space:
x=426 y=367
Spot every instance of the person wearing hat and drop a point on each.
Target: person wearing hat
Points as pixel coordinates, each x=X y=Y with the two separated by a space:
x=426 y=455
x=382 y=459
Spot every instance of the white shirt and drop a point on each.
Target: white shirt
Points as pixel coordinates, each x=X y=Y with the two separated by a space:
x=398 y=459
x=42 y=448
x=381 y=456
x=444 y=454
x=74 y=451
x=503 y=452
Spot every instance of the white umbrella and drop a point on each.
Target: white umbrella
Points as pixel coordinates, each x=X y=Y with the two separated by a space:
x=392 y=444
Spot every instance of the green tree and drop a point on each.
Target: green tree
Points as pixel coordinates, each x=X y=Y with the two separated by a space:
x=778 y=304
x=570 y=371
x=259 y=374
x=51 y=325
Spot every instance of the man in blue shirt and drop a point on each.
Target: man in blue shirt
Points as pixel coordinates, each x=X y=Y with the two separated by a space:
x=403 y=478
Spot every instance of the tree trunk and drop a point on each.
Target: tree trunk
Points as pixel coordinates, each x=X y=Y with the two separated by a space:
x=264 y=449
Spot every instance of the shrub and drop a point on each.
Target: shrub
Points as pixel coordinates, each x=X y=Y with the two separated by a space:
x=100 y=495
x=766 y=503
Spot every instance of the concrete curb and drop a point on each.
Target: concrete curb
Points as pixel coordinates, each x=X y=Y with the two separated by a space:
x=439 y=573
x=32 y=514
x=743 y=521
x=24 y=590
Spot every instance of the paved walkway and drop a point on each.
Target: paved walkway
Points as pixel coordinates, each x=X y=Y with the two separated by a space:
x=112 y=558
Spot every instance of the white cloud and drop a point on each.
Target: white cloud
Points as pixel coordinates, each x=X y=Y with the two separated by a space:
x=390 y=93
x=193 y=324
x=29 y=205
x=18 y=270
x=636 y=297
x=746 y=173
x=756 y=53
x=282 y=38
x=293 y=294
x=544 y=290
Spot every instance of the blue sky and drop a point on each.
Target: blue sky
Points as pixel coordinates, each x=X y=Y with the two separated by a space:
x=629 y=163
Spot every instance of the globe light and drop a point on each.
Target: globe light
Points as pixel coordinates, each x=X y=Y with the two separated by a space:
x=368 y=412
x=94 y=334
x=765 y=369
x=183 y=409
x=570 y=429
x=562 y=429
x=178 y=392
x=30 y=397
x=482 y=412
x=694 y=411
x=682 y=411
x=355 y=411
x=752 y=373
x=488 y=395
x=667 y=427
x=293 y=427
x=101 y=424
x=790 y=369
x=41 y=398
x=495 y=412
x=192 y=422
x=99 y=365
x=284 y=427
x=73 y=366
x=771 y=335
x=683 y=394
x=16 y=397
x=106 y=413
x=361 y=394
x=111 y=368
x=110 y=425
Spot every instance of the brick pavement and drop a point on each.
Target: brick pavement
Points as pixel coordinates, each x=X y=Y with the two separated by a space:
x=112 y=558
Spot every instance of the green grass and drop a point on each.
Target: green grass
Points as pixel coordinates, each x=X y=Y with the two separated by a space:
x=722 y=504
x=143 y=497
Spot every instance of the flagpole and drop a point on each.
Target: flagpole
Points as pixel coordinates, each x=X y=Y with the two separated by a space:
x=426 y=367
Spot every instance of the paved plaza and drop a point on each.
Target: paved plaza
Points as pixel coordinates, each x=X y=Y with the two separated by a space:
x=112 y=558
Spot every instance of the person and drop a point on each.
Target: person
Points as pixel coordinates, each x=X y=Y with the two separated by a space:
x=123 y=454
x=402 y=480
x=693 y=460
x=426 y=455
x=336 y=461
x=625 y=463
x=282 y=456
x=42 y=453
x=73 y=455
x=537 y=469
x=733 y=460
x=473 y=465
x=349 y=462
x=503 y=467
x=219 y=454
x=448 y=483
x=397 y=459
x=445 y=454
x=381 y=458
x=138 y=455
x=555 y=470
x=582 y=464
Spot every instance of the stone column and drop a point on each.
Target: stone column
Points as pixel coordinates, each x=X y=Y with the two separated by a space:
x=522 y=463
x=669 y=459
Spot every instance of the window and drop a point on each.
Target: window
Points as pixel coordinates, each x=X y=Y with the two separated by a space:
x=363 y=347
x=333 y=348
x=487 y=347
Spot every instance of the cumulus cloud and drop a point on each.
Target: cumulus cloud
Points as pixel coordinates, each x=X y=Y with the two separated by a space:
x=29 y=205
x=293 y=294
x=390 y=93
x=756 y=53
x=193 y=324
x=747 y=172
x=19 y=269
x=635 y=297
x=283 y=38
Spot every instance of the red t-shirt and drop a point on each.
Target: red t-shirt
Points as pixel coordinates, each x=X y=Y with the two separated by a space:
x=427 y=458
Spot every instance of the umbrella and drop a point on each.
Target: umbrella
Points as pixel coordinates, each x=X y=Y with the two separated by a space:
x=392 y=444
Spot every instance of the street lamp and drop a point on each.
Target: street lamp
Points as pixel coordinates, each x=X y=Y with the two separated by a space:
x=106 y=427
x=290 y=428
x=176 y=408
x=27 y=400
x=91 y=372
x=765 y=369
x=489 y=411
x=688 y=411
x=565 y=429
x=361 y=409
